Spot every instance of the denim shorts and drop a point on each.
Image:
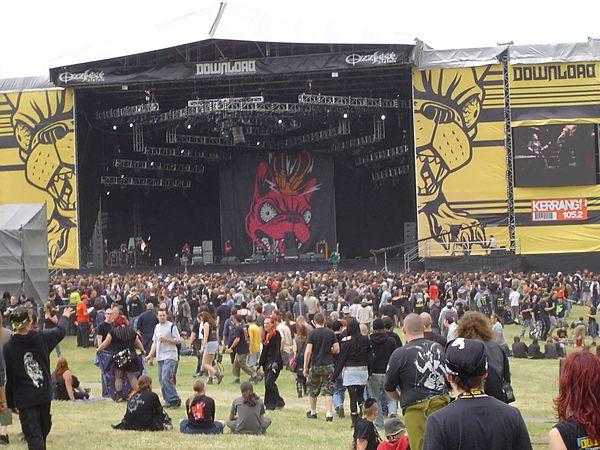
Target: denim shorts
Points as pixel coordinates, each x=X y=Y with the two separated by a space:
x=211 y=348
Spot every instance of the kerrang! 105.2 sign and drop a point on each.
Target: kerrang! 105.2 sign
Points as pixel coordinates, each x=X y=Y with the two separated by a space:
x=559 y=209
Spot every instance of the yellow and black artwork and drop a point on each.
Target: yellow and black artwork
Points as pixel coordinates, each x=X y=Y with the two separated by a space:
x=37 y=164
x=460 y=158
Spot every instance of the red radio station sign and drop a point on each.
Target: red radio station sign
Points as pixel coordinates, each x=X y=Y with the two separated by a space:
x=559 y=209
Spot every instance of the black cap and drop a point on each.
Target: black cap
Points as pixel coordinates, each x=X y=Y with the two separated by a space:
x=466 y=357
x=378 y=324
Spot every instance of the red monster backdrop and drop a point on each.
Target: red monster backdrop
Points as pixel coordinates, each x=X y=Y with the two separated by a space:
x=270 y=202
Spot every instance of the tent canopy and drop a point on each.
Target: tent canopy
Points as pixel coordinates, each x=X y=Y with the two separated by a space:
x=236 y=23
x=24 y=250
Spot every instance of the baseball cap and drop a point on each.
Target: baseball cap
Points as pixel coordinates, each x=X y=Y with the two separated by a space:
x=393 y=426
x=378 y=324
x=466 y=357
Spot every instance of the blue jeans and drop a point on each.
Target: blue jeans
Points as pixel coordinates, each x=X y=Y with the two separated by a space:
x=338 y=393
x=377 y=391
x=216 y=428
x=167 y=377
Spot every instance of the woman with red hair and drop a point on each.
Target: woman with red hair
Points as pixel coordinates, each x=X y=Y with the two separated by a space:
x=578 y=404
x=124 y=341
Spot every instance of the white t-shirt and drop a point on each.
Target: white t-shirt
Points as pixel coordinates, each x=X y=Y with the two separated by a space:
x=514 y=297
x=164 y=350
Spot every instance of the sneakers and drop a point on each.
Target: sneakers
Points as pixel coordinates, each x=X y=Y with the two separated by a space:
x=197 y=375
x=209 y=381
x=219 y=377
x=329 y=419
x=311 y=415
x=4 y=439
x=174 y=405
x=340 y=412
x=237 y=381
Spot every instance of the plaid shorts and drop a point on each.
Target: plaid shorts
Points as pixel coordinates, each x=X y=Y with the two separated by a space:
x=319 y=381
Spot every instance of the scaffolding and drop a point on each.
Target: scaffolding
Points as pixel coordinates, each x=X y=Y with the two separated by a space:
x=510 y=178
x=157 y=165
x=145 y=182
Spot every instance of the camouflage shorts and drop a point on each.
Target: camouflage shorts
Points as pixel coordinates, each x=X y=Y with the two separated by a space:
x=319 y=381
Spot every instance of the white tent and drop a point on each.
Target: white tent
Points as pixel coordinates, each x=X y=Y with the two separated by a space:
x=24 y=250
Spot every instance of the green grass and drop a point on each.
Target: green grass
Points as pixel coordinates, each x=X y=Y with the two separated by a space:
x=88 y=425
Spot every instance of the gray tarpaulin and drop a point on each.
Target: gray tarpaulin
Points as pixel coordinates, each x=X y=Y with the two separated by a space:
x=24 y=250
x=519 y=54
x=26 y=84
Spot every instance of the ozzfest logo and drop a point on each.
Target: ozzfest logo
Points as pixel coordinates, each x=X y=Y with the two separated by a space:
x=89 y=76
x=377 y=58
x=554 y=72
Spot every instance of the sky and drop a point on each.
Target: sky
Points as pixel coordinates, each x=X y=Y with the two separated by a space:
x=37 y=32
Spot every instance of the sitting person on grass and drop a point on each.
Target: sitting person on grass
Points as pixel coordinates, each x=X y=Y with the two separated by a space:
x=201 y=413
x=65 y=385
x=519 y=348
x=395 y=433
x=534 y=352
x=550 y=350
x=144 y=411
x=247 y=412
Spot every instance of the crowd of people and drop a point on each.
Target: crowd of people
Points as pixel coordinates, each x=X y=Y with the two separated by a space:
x=335 y=331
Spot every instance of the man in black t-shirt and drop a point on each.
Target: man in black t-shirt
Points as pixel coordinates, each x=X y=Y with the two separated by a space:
x=428 y=333
x=241 y=348
x=318 y=356
x=145 y=327
x=101 y=333
x=474 y=420
x=416 y=370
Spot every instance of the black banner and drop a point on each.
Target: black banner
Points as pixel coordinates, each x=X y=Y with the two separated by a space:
x=91 y=75
x=277 y=201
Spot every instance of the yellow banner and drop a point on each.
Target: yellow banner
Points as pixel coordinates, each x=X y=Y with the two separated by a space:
x=37 y=164
x=460 y=158
x=555 y=93
x=547 y=221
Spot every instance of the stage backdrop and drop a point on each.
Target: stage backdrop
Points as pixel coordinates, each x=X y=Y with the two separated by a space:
x=555 y=111
x=37 y=164
x=268 y=200
x=460 y=157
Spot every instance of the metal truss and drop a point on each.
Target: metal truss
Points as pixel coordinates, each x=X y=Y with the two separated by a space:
x=201 y=140
x=347 y=102
x=157 y=165
x=146 y=182
x=127 y=111
x=187 y=153
x=377 y=136
x=138 y=137
x=201 y=102
x=391 y=172
x=510 y=178
x=214 y=107
x=381 y=155
x=342 y=129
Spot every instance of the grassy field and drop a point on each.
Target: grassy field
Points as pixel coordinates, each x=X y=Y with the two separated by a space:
x=82 y=425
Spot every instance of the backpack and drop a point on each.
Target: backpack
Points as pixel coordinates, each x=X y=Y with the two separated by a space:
x=176 y=345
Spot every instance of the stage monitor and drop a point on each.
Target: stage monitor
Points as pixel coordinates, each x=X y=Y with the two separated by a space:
x=555 y=155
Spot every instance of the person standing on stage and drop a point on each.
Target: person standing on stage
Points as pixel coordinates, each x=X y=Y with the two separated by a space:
x=28 y=385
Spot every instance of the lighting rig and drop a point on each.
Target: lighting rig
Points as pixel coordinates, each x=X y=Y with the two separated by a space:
x=108 y=180
x=390 y=173
x=157 y=165
x=381 y=155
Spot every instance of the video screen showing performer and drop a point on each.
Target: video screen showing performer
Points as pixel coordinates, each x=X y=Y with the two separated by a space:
x=555 y=155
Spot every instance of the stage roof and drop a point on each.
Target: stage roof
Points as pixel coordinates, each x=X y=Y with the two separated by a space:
x=238 y=23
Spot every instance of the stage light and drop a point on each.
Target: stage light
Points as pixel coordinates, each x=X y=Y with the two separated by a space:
x=114 y=127
x=107 y=193
x=280 y=121
x=130 y=124
x=345 y=115
x=122 y=176
x=257 y=142
x=152 y=164
x=383 y=117
x=189 y=126
x=182 y=151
